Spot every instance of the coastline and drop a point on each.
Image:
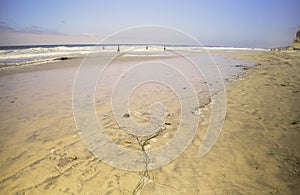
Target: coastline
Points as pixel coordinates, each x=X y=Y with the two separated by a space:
x=257 y=151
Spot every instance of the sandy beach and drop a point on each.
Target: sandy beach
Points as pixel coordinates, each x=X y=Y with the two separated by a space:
x=257 y=151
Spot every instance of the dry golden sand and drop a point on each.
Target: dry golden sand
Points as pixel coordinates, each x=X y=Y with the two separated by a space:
x=258 y=149
x=256 y=153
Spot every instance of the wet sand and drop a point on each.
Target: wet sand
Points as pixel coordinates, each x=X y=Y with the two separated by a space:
x=256 y=153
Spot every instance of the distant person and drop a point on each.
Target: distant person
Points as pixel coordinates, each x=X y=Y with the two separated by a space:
x=146 y=47
x=164 y=48
x=103 y=47
x=118 y=50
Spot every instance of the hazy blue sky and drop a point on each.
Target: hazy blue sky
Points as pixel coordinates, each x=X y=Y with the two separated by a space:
x=244 y=23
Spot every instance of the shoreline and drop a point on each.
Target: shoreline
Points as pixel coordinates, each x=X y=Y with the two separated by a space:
x=13 y=56
x=265 y=108
x=257 y=151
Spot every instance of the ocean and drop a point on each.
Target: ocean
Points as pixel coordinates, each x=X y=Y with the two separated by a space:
x=11 y=56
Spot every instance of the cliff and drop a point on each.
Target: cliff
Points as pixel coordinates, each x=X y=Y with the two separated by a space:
x=296 y=43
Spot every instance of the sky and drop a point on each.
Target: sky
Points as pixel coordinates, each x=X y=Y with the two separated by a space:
x=238 y=23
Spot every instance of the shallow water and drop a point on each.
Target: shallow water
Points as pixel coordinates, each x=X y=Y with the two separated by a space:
x=38 y=133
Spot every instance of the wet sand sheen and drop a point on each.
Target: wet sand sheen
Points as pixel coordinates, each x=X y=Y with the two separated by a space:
x=255 y=153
